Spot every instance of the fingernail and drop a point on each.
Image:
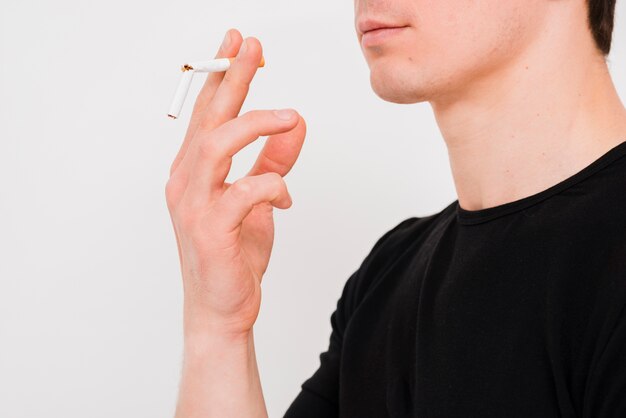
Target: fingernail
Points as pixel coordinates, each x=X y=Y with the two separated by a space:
x=284 y=114
x=226 y=40
x=243 y=48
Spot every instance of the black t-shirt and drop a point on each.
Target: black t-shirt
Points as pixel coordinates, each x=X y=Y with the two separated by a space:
x=517 y=310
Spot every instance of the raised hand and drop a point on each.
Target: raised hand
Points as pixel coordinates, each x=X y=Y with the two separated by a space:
x=225 y=231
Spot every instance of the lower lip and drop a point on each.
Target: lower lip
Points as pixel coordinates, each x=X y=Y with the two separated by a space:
x=378 y=36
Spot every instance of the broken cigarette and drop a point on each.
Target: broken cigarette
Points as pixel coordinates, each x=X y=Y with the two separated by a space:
x=210 y=66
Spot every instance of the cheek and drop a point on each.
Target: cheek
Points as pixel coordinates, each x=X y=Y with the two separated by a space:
x=450 y=44
x=465 y=31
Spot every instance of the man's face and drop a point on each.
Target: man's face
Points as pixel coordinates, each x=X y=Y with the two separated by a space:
x=446 y=44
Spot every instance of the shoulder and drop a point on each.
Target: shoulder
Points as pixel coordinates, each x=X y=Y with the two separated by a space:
x=401 y=239
x=405 y=235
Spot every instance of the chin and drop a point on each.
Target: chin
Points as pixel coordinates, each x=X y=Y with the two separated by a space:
x=392 y=87
x=406 y=83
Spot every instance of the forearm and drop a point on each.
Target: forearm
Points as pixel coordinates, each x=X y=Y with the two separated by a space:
x=220 y=378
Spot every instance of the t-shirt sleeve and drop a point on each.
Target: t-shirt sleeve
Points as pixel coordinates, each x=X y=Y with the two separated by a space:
x=319 y=395
x=606 y=393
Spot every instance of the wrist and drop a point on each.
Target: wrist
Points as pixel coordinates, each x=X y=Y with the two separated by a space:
x=220 y=377
x=199 y=324
x=198 y=343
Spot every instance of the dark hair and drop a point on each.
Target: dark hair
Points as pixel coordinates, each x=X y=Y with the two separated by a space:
x=601 y=17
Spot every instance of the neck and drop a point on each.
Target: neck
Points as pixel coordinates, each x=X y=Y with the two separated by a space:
x=532 y=123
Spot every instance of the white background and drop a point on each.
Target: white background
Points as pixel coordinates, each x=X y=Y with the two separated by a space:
x=90 y=292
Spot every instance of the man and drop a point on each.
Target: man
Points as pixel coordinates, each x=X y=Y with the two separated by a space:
x=510 y=302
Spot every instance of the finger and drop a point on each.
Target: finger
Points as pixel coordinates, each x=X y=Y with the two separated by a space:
x=239 y=199
x=214 y=152
x=280 y=151
x=232 y=91
x=229 y=48
x=230 y=45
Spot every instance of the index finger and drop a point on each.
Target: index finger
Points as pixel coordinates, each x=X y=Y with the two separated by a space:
x=230 y=46
x=232 y=91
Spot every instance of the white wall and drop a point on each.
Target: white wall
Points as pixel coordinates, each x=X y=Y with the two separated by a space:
x=90 y=293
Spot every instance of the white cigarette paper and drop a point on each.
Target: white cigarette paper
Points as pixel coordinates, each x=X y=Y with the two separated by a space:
x=210 y=66
x=181 y=93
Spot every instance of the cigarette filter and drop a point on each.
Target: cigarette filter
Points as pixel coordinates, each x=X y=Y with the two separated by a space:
x=210 y=66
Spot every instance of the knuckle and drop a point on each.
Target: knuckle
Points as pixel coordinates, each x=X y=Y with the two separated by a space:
x=172 y=191
x=236 y=82
x=252 y=117
x=241 y=189
x=209 y=148
x=276 y=180
x=206 y=123
x=169 y=189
